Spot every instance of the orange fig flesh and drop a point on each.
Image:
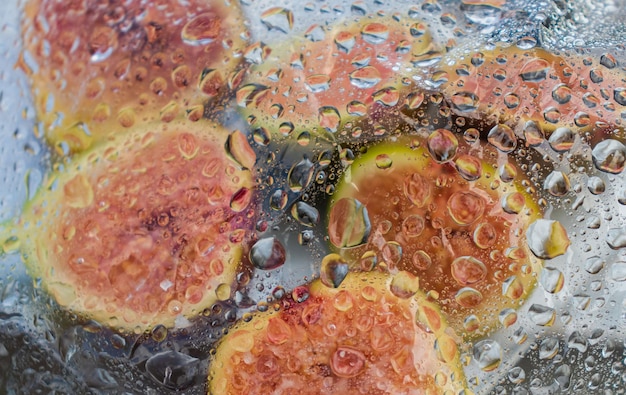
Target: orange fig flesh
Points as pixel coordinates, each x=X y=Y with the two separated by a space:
x=102 y=68
x=142 y=229
x=359 y=338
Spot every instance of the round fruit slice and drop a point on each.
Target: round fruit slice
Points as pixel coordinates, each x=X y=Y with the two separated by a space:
x=444 y=216
x=100 y=67
x=142 y=229
x=563 y=90
x=321 y=81
x=360 y=338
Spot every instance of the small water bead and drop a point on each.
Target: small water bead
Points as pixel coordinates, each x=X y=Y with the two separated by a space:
x=609 y=156
x=468 y=270
x=465 y=101
x=535 y=70
x=365 y=77
x=552 y=280
x=562 y=139
x=201 y=30
x=305 y=214
x=513 y=288
x=268 y=254
x=413 y=225
x=511 y=100
x=465 y=207
x=278 y=18
x=375 y=33
x=513 y=203
x=404 y=284
x=562 y=94
x=487 y=354
x=507 y=317
x=533 y=133
x=596 y=185
x=468 y=297
x=329 y=118
x=557 y=183
x=392 y=253
x=471 y=135
x=471 y=323
x=616 y=238
x=507 y=172
x=333 y=271
x=388 y=96
x=594 y=265
x=442 y=145
x=348 y=224
x=547 y=239
x=317 y=83
x=417 y=189
x=469 y=167
x=541 y=315
x=383 y=161
x=485 y=235
x=503 y=138
x=421 y=260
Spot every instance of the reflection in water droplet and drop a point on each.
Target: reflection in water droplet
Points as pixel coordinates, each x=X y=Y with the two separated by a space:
x=557 y=183
x=541 y=315
x=201 y=30
x=348 y=223
x=503 y=138
x=329 y=118
x=278 y=18
x=465 y=101
x=404 y=285
x=306 y=214
x=562 y=139
x=375 y=33
x=535 y=70
x=616 y=238
x=552 y=280
x=547 y=239
x=488 y=354
x=468 y=297
x=365 y=77
x=609 y=156
x=465 y=207
x=442 y=145
x=267 y=254
x=334 y=270
x=468 y=270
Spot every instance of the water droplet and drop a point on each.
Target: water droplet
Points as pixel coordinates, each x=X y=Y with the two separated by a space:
x=596 y=185
x=541 y=315
x=421 y=260
x=251 y=95
x=413 y=225
x=201 y=30
x=513 y=202
x=557 y=183
x=173 y=369
x=238 y=148
x=306 y=214
x=503 y=138
x=485 y=235
x=552 y=280
x=391 y=253
x=241 y=199
x=488 y=354
x=594 y=264
x=562 y=94
x=562 y=139
x=468 y=297
x=388 y=96
x=616 y=238
x=533 y=133
x=465 y=101
x=465 y=207
x=383 y=161
x=442 y=145
x=578 y=342
x=317 y=83
x=512 y=100
x=468 y=270
x=535 y=70
x=404 y=285
x=348 y=224
x=345 y=41
x=300 y=175
x=548 y=348
x=609 y=156
x=619 y=94
x=315 y=33
x=365 y=77
x=547 y=239
x=507 y=317
x=347 y=362
x=334 y=270
x=375 y=33
x=416 y=189
x=267 y=254
x=278 y=18
x=356 y=108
